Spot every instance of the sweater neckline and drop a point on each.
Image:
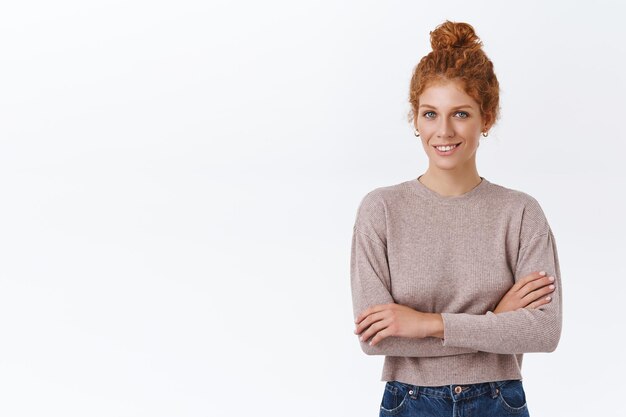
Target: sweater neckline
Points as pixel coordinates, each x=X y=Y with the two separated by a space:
x=429 y=194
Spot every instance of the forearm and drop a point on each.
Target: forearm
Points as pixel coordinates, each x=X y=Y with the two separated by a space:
x=430 y=346
x=410 y=347
x=370 y=284
x=511 y=332
x=520 y=331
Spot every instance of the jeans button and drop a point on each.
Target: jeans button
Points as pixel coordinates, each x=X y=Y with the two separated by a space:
x=458 y=389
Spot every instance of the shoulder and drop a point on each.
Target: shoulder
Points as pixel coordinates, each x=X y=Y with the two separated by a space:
x=375 y=206
x=381 y=198
x=514 y=197
x=524 y=208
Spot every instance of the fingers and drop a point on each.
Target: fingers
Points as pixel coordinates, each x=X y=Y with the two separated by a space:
x=540 y=302
x=372 y=323
x=534 y=295
x=527 y=279
x=372 y=309
x=379 y=336
x=376 y=331
x=537 y=283
x=369 y=321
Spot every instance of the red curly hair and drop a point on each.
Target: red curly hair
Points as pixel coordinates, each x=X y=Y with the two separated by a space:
x=457 y=55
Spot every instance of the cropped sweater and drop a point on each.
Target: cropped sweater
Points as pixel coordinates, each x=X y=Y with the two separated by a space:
x=458 y=256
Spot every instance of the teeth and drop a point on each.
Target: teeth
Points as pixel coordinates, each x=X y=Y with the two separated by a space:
x=446 y=148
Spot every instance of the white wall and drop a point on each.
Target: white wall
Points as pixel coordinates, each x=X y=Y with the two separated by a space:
x=179 y=180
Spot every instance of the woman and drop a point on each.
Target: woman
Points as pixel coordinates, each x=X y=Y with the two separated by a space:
x=454 y=277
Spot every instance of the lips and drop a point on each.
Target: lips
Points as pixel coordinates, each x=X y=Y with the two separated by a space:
x=449 y=144
x=448 y=152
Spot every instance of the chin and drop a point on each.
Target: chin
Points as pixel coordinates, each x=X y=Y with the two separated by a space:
x=446 y=167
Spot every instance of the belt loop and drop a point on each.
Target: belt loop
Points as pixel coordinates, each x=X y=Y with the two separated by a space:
x=495 y=390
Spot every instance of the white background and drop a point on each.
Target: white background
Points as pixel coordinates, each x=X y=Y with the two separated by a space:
x=179 y=181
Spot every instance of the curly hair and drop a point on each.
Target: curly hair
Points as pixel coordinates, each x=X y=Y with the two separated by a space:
x=457 y=55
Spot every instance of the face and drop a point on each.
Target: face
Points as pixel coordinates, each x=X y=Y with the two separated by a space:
x=448 y=116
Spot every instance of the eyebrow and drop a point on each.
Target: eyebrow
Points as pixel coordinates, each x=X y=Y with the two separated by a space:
x=458 y=107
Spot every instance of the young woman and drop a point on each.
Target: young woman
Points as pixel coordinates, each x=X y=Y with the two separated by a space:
x=454 y=277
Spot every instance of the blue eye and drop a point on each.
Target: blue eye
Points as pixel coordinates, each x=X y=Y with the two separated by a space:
x=462 y=114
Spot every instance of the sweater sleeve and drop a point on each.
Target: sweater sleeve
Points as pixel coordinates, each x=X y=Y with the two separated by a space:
x=523 y=330
x=371 y=283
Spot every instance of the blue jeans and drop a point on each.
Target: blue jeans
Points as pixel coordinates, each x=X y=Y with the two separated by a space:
x=488 y=399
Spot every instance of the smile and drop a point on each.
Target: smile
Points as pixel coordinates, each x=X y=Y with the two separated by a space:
x=447 y=149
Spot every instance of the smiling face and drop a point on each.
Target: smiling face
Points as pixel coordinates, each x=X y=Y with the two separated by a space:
x=449 y=116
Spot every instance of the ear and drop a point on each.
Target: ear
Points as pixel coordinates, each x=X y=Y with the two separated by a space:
x=488 y=122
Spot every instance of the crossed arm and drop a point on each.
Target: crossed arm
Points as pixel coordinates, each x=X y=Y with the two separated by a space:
x=417 y=334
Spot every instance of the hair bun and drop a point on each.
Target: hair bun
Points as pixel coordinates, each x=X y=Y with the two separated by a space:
x=454 y=35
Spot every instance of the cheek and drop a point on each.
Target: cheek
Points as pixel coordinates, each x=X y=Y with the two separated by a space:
x=472 y=131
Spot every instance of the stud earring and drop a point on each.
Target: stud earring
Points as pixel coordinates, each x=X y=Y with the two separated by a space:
x=416 y=133
x=485 y=134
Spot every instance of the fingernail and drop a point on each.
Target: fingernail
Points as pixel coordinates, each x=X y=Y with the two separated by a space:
x=548 y=298
x=551 y=278
x=542 y=273
x=361 y=338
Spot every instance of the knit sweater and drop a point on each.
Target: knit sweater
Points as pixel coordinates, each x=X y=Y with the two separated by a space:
x=458 y=256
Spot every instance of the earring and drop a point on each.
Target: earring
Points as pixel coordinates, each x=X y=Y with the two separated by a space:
x=485 y=134
x=416 y=133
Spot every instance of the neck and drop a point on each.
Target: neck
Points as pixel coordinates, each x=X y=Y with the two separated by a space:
x=450 y=183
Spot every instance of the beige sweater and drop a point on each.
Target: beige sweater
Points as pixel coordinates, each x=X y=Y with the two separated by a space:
x=458 y=256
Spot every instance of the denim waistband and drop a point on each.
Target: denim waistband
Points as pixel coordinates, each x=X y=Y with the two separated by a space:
x=457 y=392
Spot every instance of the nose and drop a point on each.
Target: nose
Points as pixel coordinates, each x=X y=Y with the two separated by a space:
x=445 y=128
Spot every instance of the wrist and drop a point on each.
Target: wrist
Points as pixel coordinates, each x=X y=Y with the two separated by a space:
x=437 y=326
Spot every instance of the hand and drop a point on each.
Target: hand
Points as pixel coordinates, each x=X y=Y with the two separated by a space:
x=528 y=292
x=392 y=319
